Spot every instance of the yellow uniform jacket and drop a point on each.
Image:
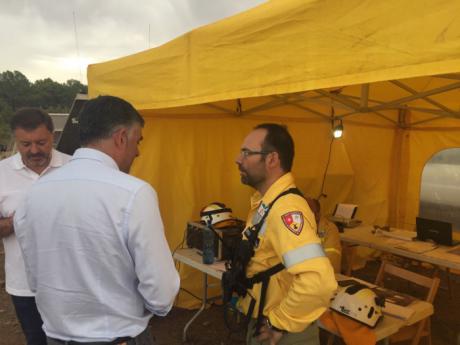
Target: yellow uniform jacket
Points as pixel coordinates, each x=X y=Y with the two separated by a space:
x=330 y=239
x=299 y=294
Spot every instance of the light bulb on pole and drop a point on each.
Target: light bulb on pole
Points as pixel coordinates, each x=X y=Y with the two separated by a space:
x=337 y=129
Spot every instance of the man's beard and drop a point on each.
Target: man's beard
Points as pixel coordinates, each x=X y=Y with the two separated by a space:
x=252 y=181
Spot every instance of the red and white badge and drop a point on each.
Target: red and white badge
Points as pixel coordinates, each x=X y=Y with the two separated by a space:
x=293 y=221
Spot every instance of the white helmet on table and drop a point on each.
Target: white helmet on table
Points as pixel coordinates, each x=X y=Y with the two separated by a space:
x=216 y=214
x=359 y=303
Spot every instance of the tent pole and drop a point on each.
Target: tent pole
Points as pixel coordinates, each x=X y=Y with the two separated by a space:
x=399 y=172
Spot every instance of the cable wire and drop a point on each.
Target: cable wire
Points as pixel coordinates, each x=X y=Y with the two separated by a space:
x=321 y=193
x=76 y=45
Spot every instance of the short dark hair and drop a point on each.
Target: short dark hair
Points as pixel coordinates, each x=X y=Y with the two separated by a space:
x=279 y=140
x=30 y=119
x=102 y=115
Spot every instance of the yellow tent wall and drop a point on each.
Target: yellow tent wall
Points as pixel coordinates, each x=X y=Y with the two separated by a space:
x=290 y=61
x=190 y=162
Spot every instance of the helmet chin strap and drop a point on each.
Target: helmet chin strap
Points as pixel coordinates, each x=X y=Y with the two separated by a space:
x=215 y=213
x=209 y=220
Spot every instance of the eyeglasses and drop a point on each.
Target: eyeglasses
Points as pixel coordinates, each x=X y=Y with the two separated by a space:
x=247 y=152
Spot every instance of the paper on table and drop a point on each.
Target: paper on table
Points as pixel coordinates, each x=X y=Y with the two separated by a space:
x=405 y=235
x=345 y=211
x=416 y=246
x=398 y=311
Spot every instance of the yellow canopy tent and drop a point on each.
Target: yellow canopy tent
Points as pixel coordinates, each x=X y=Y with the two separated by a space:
x=387 y=69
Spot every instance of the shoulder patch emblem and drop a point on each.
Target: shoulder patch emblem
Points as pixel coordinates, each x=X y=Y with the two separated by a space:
x=293 y=221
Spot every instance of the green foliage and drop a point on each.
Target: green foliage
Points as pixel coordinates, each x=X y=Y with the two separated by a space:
x=5 y=116
x=17 y=91
x=14 y=88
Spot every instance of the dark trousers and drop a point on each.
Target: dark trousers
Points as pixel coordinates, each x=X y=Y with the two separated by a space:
x=30 y=319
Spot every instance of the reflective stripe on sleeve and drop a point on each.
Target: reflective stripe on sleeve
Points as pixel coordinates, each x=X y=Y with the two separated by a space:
x=263 y=229
x=306 y=252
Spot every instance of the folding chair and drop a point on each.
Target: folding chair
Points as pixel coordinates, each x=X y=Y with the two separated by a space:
x=422 y=328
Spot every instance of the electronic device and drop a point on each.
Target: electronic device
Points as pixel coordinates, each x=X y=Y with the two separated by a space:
x=344 y=215
x=225 y=241
x=434 y=230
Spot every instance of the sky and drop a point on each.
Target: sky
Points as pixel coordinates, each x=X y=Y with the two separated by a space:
x=57 y=39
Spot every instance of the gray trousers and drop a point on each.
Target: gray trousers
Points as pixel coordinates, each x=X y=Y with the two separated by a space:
x=309 y=336
x=145 y=338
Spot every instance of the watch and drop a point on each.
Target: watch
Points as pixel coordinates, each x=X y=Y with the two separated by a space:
x=269 y=325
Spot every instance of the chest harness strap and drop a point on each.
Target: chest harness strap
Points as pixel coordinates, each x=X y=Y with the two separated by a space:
x=264 y=276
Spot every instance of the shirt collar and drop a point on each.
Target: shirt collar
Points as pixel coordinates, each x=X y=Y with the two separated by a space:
x=18 y=164
x=55 y=162
x=283 y=183
x=56 y=159
x=93 y=154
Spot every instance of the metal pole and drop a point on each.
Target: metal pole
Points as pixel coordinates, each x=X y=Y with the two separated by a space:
x=203 y=305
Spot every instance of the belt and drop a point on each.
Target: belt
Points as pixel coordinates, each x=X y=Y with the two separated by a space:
x=117 y=341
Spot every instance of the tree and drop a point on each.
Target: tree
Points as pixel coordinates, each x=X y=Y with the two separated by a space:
x=76 y=87
x=17 y=91
x=14 y=89
x=5 y=116
x=48 y=94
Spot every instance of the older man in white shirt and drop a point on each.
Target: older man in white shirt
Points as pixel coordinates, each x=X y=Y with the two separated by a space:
x=95 y=252
x=33 y=133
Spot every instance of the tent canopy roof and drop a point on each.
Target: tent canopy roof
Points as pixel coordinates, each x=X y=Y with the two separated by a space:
x=305 y=53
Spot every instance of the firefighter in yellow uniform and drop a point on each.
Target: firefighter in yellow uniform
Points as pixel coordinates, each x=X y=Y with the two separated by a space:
x=329 y=235
x=300 y=293
x=330 y=239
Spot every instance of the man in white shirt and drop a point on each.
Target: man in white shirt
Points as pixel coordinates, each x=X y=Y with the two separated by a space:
x=95 y=252
x=33 y=133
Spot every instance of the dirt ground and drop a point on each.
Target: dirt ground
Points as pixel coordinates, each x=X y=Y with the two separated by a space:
x=209 y=327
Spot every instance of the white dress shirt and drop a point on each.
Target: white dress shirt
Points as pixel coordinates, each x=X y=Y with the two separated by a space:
x=15 y=181
x=95 y=251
